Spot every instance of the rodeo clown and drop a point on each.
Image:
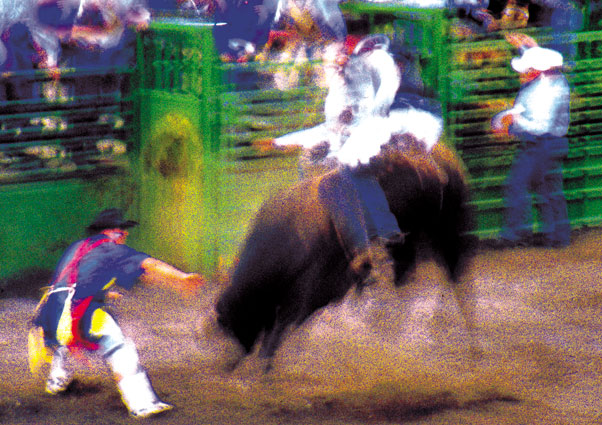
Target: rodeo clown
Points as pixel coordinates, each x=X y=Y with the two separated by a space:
x=358 y=122
x=72 y=314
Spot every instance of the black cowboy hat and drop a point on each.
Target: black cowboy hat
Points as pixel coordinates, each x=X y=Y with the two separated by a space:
x=111 y=218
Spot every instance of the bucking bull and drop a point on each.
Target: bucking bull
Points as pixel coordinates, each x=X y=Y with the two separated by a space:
x=292 y=262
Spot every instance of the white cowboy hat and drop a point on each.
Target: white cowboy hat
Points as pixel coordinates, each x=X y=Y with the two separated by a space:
x=538 y=58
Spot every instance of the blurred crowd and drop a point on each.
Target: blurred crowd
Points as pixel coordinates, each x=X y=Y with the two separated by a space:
x=312 y=37
x=62 y=34
x=57 y=34
x=41 y=42
x=302 y=31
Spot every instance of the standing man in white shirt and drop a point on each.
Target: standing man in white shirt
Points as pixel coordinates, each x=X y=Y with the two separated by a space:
x=540 y=120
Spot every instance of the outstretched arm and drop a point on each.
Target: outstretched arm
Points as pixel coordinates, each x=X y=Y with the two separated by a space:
x=157 y=272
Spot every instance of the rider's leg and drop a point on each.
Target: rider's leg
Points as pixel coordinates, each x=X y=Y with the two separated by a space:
x=367 y=257
x=380 y=221
x=339 y=195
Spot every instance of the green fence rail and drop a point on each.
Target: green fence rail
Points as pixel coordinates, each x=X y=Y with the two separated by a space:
x=254 y=110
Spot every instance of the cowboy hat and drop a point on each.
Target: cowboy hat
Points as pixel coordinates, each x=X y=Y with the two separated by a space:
x=111 y=218
x=538 y=58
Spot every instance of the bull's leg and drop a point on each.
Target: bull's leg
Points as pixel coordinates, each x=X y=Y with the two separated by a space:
x=404 y=256
x=456 y=250
x=272 y=340
x=270 y=344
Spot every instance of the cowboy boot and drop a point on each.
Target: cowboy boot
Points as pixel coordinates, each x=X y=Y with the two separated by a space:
x=59 y=377
x=134 y=386
x=139 y=396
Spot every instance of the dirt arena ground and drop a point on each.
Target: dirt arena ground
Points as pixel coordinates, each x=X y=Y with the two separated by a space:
x=385 y=357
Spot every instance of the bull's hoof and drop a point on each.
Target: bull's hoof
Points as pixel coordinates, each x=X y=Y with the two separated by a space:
x=228 y=363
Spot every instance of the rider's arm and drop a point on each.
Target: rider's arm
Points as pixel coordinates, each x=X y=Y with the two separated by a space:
x=364 y=142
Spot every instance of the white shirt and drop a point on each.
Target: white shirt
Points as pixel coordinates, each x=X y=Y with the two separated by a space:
x=542 y=106
x=367 y=86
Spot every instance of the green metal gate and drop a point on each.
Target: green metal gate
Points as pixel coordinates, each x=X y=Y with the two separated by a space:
x=197 y=219
x=63 y=157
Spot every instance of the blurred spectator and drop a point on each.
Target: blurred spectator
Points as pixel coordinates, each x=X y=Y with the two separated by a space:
x=595 y=15
x=565 y=18
x=162 y=7
x=476 y=17
x=412 y=91
x=181 y=8
x=514 y=16
x=53 y=25
x=104 y=38
x=315 y=19
x=132 y=19
x=20 y=55
x=313 y=30
x=242 y=27
x=103 y=46
x=483 y=16
x=11 y=13
x=52 y=29
x=197 y=7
